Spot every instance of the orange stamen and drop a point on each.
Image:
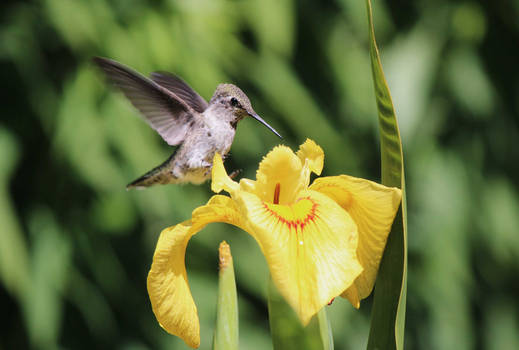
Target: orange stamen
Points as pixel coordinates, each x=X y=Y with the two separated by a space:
x=276 y=193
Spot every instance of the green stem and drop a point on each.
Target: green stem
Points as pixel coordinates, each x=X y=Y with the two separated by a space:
x=287 y=331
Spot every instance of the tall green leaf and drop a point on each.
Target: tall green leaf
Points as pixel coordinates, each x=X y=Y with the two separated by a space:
x=388 y=314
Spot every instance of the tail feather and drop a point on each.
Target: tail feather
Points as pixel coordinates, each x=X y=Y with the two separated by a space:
x=158 y=175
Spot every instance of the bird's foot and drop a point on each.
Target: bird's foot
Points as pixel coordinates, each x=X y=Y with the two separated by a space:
x=235 y=173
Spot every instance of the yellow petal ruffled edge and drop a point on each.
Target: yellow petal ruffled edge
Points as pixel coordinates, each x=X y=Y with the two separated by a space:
x=168 y=287
x=373 y=208
x=280 y=167
x=313 y=154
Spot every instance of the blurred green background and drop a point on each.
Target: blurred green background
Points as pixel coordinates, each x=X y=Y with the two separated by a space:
x=75 y=247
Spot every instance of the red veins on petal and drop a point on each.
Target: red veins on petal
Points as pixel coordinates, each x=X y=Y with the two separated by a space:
x=296 y=215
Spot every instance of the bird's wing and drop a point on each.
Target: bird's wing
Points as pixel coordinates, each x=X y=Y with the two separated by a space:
x=180 y=88
x=164 y=111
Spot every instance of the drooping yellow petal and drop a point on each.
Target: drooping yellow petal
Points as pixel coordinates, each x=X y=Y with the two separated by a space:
x=373 y=208
x=352 y=295
x=310 y=246
x=169 y=292
x=313 y=154
x=168 y=288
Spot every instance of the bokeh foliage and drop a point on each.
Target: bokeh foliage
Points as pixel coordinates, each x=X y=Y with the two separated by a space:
x=75 y=247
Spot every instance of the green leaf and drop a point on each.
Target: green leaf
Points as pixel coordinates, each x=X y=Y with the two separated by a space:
x=14 y=254
x=226 y=330
x=388 y=314
x=287 y=331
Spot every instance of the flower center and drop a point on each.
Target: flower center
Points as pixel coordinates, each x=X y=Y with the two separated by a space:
x=296 y=215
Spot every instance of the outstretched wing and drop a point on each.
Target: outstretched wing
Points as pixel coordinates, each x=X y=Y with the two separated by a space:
x=180 y=88
x=164 y=111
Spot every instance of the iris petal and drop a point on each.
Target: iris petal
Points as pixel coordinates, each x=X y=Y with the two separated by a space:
x=169 y=292
x=168 y=288
x=310 y=247
x=280 y=166
x=373 y=208
x=220 y=180
x=313 y=154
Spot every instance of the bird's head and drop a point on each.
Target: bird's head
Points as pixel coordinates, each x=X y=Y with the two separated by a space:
x=234 y=101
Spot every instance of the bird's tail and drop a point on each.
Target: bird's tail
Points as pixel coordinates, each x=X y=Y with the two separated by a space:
x=158 y=175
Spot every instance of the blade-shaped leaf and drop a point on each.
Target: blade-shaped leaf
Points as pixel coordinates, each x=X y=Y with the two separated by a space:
x=388 y=314
x=287 y=331
x=226 y=331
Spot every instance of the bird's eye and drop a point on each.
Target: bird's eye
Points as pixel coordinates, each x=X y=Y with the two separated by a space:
x=234 y=102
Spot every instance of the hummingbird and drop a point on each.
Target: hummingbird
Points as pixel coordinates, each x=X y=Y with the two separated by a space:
x=182 y=118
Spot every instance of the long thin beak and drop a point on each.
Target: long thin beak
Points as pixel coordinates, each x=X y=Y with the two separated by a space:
x=258 y=118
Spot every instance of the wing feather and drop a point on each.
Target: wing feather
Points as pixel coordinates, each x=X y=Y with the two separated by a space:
x=180 y=88
x=161 y=108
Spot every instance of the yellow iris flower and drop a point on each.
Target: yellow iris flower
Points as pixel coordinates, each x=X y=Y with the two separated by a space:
x=319 y=241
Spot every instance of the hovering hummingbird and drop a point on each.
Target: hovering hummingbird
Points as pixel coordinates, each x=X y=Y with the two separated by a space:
x=182 y=117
